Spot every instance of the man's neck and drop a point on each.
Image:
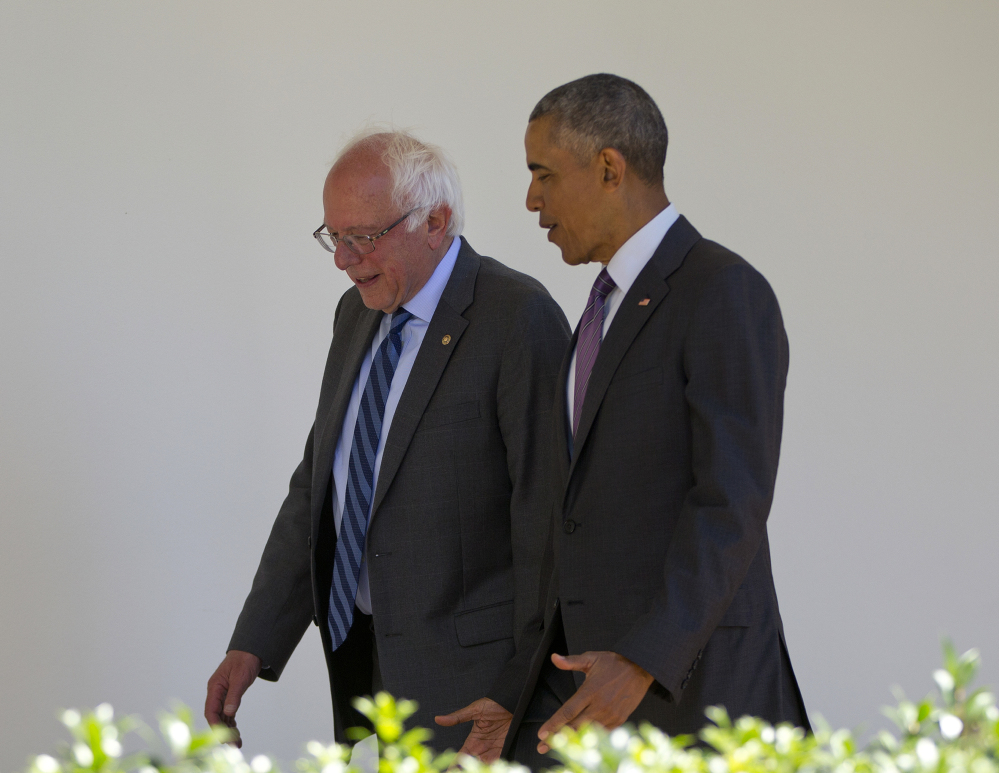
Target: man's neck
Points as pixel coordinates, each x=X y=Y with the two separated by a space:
x=636 y=215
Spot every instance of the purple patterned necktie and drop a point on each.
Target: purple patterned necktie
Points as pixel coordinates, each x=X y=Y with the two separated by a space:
x=588 y=344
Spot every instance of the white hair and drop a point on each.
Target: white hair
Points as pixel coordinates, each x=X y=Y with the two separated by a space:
x=424 y=177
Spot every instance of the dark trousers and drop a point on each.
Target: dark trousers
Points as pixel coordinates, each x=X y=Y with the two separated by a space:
x=554 y=688
x=354 y=673
x=353 y=666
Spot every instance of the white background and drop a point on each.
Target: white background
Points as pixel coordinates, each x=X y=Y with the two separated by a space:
x=165 y=313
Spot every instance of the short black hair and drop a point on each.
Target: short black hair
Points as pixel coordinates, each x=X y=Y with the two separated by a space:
x=608 y=111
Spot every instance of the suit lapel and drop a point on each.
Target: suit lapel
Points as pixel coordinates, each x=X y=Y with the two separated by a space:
x=651 y=283
x=562 y=427
x=429 y=366
x=364 y=329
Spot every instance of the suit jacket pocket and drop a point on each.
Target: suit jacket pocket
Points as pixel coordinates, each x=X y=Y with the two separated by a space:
x=450 y=414
x=740 y=613
x=631 y=382
x=485 y=624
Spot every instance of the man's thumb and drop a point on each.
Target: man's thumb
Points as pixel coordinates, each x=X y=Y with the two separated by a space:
x=232 y=700
x=455 y=717
x=572 y=662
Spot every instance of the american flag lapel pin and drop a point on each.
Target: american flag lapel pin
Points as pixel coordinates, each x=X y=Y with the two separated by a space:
x=644 y=302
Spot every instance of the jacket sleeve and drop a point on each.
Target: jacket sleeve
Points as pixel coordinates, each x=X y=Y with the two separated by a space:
x=735 y=359
x=279 y=607
x=528 y=379
x=509 y=686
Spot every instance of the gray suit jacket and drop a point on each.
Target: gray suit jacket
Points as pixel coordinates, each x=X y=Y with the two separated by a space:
x=658 y=541
x=459 y=514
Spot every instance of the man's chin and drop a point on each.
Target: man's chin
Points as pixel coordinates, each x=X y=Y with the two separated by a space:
x=574 y=259
x=374 y=301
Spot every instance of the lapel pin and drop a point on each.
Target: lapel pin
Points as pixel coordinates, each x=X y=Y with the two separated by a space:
x=446 y=340
x=644 y=302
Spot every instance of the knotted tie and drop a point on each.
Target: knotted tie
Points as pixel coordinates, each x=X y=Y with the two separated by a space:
x=361 y=472
x=590 y=332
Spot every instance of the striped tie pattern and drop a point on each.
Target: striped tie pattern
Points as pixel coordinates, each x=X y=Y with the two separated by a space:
x=361 y=472
x=590 y=332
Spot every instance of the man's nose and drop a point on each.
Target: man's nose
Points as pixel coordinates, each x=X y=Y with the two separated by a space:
x=344 y=257
x=534 y=202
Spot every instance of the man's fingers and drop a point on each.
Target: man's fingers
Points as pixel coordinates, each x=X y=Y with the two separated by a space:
x=226 y=687
x=213 y=703
x=570 y=709
x=613 y=688
x=586 y=716
x=484 y=710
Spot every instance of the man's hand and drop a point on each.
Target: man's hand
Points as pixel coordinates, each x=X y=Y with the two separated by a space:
x=226 y=688
x=613 y=688
x=491 y=724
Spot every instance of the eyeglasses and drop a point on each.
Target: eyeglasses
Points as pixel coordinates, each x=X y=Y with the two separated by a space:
x=359 y=244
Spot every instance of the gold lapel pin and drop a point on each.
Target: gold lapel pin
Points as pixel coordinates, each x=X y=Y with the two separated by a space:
x=446 y=340
x=644 y=302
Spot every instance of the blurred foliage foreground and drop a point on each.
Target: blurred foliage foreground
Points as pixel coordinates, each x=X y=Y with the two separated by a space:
x=957 y=730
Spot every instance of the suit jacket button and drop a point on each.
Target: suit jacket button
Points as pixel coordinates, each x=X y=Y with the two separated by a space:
x=569 y=527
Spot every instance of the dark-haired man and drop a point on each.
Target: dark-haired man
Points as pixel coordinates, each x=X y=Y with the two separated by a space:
x=660 y=595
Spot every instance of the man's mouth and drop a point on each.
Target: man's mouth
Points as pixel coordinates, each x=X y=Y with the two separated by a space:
x=364 y=281
x=549 y=227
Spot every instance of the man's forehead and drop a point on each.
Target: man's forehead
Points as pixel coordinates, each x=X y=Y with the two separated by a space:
x=546 y=158
x=355 y=198
x=537 y=133
x=359 y=179
x=354 y=219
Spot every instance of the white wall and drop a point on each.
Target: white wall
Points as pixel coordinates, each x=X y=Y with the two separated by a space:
x=165 y=313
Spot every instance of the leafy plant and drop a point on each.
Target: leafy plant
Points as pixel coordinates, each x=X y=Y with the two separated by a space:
x=956 y=731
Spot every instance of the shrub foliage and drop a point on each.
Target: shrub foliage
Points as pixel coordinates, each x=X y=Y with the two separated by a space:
x=955 y=730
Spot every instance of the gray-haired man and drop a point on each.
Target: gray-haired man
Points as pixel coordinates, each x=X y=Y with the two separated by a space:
x=413 y=527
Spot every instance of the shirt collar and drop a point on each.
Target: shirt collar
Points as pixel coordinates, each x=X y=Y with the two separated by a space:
x=632 y=256
x=424 y=303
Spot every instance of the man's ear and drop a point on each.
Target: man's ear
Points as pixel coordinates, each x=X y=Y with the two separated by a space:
x=612 y=168
x=437 y=223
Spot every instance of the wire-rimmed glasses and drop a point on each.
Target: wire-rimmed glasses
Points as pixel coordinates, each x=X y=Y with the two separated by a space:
x=359 y=244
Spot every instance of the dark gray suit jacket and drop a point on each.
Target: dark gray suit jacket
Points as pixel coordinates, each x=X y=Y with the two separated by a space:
x=460 y=511
x=658 y=541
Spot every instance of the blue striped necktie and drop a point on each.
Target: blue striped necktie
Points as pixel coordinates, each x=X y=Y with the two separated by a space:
x=360 y=477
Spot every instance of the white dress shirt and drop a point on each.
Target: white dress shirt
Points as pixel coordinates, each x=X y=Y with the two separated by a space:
x=422 y=306
x=624 y=269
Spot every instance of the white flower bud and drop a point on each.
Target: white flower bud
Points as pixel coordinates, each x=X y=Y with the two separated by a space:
x=927 y=753
x=71 y=718
x=104 y=712
x=46 y=764
x=84 y=756
x=260 y=764
x=950 y=726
